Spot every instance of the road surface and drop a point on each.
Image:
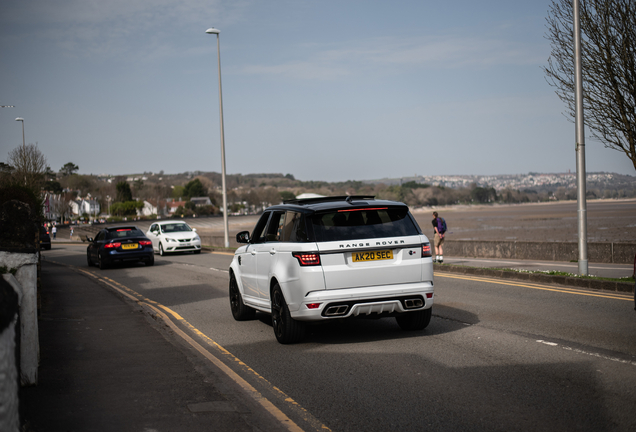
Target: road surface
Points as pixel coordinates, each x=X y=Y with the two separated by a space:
x=498 y=355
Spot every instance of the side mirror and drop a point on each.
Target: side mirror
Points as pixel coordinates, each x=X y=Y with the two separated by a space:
x=194 y=229
x=243 y=237
x=90 y=239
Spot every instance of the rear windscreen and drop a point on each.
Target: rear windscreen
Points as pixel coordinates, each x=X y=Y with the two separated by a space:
x=124 y=233
x=363 y=224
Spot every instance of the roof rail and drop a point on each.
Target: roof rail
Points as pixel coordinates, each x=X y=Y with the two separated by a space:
x=347 y=198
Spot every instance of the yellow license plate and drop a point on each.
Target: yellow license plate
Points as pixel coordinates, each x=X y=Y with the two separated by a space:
x=372 y=256
x=129 y=246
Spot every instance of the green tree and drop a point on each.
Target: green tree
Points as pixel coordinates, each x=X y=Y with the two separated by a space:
x=194 y=188
x=53 y=186
x=178 y=192
x=123 y=192
x=127 y=208
x=68 y=169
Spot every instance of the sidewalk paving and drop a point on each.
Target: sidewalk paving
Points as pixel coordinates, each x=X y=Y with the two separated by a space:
x=106 y=366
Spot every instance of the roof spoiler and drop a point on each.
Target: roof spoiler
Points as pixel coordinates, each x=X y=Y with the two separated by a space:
x=347 y=198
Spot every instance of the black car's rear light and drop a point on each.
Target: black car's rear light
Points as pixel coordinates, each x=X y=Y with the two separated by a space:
x=112 y=245
x=426 y=250
x=145 y=242
x=307 y=258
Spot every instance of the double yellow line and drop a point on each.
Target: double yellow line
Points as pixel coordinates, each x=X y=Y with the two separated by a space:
x=247 y=387
x=575 y=291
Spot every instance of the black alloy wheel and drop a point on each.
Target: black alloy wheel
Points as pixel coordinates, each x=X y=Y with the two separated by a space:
x=101 y=263
x=240 y=311
x=88 y=259
x=413 y=321
x=286 y=329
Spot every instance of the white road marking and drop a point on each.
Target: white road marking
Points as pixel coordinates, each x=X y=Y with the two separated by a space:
x=579 y=351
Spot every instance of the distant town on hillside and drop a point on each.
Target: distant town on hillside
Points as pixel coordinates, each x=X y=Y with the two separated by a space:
x=198 y=193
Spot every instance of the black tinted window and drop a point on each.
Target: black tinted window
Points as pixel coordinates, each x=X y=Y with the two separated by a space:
x=275 y=226
x=258 y=236
x=175 y=227
x=124 y=233
x=361 y=224
x=294 y=229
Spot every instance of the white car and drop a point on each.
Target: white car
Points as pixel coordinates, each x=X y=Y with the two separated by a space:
x=331 y=258
x=173 y=236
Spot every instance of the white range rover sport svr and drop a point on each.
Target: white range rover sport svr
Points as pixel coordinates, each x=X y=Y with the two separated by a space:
x=330 y=258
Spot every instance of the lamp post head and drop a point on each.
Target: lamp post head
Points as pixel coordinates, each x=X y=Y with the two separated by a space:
x=213 y=31
x=19 y=119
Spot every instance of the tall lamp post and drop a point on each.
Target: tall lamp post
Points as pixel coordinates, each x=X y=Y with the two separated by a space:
x=580 y=144
x=20 y=119
x=218 y=51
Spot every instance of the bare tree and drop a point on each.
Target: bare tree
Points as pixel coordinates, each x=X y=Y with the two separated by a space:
x=29 y=167
x=608 y=51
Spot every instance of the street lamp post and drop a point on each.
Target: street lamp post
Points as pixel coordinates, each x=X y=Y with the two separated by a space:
x=20 y=119
x=218 y=51
x=580 y=143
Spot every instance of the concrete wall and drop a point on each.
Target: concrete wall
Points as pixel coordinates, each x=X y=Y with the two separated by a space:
x=9 y=304
x=219 y=241
x=25 y=285
x=599 y=252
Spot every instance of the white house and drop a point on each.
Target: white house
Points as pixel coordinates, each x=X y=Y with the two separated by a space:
x=153 y=207
x=173 y=205
x=55 y=207
x=84 y=205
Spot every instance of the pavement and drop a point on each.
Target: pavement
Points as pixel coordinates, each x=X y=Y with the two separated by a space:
x=109 y=363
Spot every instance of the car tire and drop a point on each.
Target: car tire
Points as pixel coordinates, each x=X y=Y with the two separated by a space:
x=240 y=311
x=161 y=252
x=88 y=259
x=101 y=263
x=286 y=329
x=150 y=262
x=413 y=321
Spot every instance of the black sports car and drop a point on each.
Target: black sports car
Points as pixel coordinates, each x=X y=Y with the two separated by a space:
x=119 y=244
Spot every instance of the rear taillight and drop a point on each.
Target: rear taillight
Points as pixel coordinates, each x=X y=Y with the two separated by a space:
x=307 y=258
x=426 y=250
x=145 y=242
x=112 y=245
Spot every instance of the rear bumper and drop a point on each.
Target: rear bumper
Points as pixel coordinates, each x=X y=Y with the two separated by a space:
x=145 y=254
x=344 y=303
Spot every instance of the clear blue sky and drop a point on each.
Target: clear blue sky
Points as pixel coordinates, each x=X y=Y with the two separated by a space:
x=324 y=90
